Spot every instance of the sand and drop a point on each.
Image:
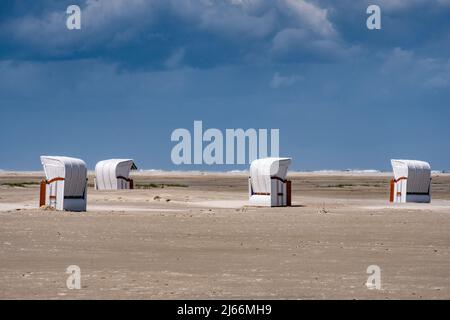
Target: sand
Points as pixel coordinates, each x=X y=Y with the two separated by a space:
x=196 y=238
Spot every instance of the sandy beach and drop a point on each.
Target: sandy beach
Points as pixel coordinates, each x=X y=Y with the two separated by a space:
x=192 y=236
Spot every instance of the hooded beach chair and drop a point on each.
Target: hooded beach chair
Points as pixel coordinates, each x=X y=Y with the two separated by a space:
x=267 y=183
x=65 y=186
x=412 y=181
x=114 y=174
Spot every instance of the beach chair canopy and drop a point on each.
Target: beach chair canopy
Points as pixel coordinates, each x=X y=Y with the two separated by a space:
x=108 y=172
x=417 y=173
x=262 y=171
x=72 y=170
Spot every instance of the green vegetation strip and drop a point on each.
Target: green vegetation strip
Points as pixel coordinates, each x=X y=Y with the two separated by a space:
x=19 y=184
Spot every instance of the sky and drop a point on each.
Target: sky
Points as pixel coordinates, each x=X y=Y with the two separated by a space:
x=342 y=96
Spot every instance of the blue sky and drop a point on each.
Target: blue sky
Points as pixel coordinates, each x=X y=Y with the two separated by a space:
x=342 y=96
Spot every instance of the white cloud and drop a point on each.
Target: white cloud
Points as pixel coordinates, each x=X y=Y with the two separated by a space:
x=310 y=17
x=426 y=72
x=231 y=19
x=299 y=45
x=246 y=28
x=102 y=23
x=399 y=5
x=284 y=81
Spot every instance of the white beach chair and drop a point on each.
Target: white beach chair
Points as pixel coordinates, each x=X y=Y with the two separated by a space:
x=65 y=186
x=114 y=174
x=267 y=184
x=412 y=181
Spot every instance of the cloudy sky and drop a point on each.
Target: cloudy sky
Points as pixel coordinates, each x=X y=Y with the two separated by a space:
x=342 y=96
